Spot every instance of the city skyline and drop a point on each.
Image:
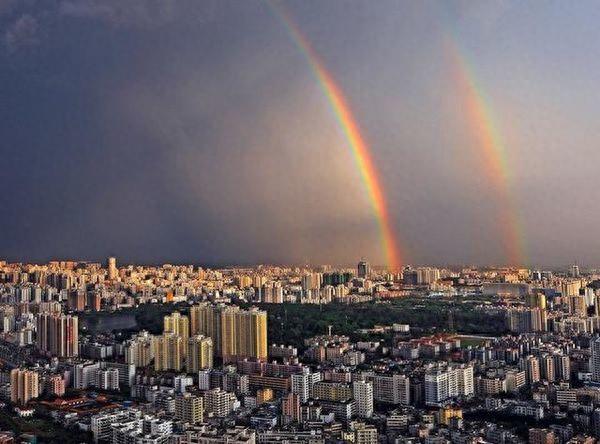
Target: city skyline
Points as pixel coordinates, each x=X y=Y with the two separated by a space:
x=299 y=132
x=181 y=354
x=343 y=266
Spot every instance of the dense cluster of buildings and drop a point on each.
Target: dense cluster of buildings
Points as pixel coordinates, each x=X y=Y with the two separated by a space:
x=211 y=374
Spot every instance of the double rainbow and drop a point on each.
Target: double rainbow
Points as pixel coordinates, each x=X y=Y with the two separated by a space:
x=356 y=141
x=482 y=124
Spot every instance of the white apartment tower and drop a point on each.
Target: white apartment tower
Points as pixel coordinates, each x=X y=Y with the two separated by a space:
x=363 y=395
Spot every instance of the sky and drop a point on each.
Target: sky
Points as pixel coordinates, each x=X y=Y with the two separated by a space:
x=195 y=131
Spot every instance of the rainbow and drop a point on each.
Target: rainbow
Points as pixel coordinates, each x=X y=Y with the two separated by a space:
x=495 y=163
x=349 y=126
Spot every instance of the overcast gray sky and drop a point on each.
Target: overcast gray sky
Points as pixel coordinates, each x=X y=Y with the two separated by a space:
x=194 y=131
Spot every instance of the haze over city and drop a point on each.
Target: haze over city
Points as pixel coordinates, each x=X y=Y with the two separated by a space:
x=198 y=132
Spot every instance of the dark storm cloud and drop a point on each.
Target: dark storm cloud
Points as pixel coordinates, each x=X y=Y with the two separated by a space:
x=195 y=130
x=21 y=33
x=147 y=13
x=211 y=153
x=6 y=6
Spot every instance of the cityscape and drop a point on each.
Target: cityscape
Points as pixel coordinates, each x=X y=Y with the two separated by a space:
x=103 y=352
x=299 y=222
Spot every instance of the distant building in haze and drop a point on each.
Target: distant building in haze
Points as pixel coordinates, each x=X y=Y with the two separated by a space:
x=363 y=269
x=112 y=268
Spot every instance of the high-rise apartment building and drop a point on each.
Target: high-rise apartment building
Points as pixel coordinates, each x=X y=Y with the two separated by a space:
x=107 y=379
x=219 y=402
x=199 y=354
x=363 y=395
x=515 y=380
x=54 y=385
x=562 y=367
x=236 y=333
x=597 y=305
x=536 y=300
x=243 y=281
x=112 y=268
x=391 y=389
x=178 y=324
x=126 y=372
x=442 y=383
x=272 y=293
x=168 y=352
x=427 y=275
x=94 y=300
x=595 y=358
x=138 y=350
x=199 y=319
x=302 y=383
x=363 y=269
x=577 y=305
x=24 y=386
x=290 y=407
x=58 y=334
x=547 y=368
x=522 y=320
x=332 y=391
x=570 y=288
x=76 y=300
x=85 y=374
x=312 y=281
x=531 y=365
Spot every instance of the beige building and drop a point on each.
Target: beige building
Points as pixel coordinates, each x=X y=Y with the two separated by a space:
x=332 y=391
x=168 y=352
x=24 y=386
x=178 y=324
x=236 y=333
x=362 y=433
x=189 y=409
x=139 y=350
x=199 y=354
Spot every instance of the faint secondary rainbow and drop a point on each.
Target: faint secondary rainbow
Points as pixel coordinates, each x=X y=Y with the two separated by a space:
x=355 y=139
x=483 y=125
